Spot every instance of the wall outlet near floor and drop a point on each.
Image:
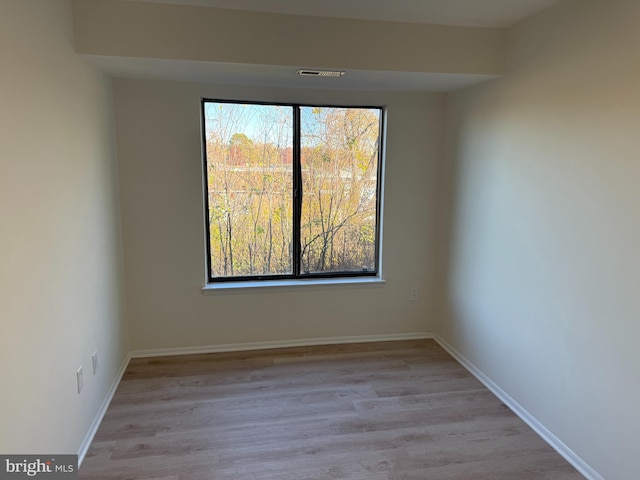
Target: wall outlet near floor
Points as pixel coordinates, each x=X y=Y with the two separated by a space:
x=80 y=379
x=414 y=294
x=94 y=361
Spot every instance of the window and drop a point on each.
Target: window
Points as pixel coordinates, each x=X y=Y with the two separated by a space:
x=292 y=191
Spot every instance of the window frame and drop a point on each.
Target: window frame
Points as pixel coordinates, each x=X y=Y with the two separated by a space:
x=297 y=199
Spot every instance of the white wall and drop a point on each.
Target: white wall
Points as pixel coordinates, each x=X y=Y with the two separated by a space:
x=204 y=34
x=60 y=288
x=158 y=127
x=544 y=272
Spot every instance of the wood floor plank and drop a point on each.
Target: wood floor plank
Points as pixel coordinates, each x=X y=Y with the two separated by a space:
x=376 y=411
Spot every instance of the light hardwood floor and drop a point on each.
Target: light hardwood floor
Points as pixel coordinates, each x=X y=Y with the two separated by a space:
x=373 y=411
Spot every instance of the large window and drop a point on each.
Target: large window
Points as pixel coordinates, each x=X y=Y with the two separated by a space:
x=292 y=191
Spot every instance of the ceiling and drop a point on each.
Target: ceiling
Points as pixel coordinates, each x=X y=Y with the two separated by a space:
x=470 y=13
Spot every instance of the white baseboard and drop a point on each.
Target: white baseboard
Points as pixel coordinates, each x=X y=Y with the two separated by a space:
x=88 y=438
x=305 y=342
x=569 y=455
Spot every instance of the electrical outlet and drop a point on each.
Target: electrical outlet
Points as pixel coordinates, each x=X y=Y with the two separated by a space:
x=80 y=379
x=414 y=294
x=94 y=361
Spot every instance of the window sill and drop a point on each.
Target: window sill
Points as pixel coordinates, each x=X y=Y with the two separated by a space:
x=262 y=285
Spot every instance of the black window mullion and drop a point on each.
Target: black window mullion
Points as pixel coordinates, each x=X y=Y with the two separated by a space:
x=297 y=191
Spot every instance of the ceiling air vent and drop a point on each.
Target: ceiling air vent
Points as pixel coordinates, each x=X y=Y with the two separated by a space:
x=320 y=73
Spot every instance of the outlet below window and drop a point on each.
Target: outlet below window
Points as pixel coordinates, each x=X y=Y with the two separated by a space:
x=414 y=294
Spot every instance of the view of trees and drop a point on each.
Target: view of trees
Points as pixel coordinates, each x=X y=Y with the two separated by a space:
x=250 y=181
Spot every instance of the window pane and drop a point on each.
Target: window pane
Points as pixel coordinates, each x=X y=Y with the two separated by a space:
x=249 y=181
x=339 y=158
